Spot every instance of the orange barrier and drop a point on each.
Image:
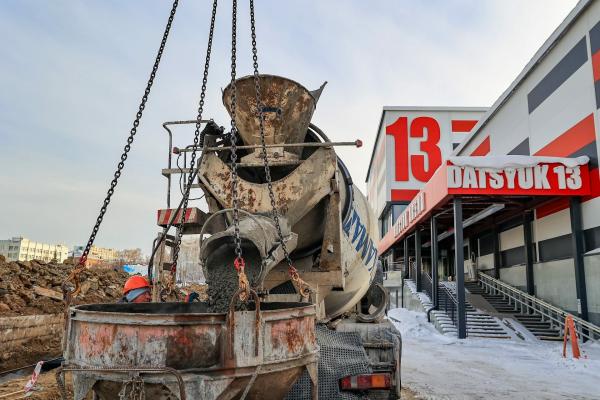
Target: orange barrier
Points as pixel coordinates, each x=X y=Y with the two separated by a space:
x=570 y=331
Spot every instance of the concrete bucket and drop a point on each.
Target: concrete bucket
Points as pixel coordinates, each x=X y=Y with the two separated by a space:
x=180 y=351
x=287 y=108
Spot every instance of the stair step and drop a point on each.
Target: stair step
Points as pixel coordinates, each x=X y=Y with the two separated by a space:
x=544 y=331
x=551 y=338
x=532 y=324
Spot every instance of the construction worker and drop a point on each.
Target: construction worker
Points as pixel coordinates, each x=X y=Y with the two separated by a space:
x=136 y=290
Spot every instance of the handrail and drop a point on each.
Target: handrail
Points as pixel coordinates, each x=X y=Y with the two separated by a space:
x=446 y=296
x=525 y=301
x=427 y=284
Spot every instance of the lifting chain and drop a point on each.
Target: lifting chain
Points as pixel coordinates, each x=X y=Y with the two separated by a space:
x=133 y=389
x=73 y=277
x=302 y=287
x=198 y=143
x=239 y=262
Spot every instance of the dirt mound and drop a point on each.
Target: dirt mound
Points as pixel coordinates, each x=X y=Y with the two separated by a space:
x=34 y=287
x=30 y=352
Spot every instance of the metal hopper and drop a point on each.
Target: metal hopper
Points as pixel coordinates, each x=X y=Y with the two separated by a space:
x=287 y=108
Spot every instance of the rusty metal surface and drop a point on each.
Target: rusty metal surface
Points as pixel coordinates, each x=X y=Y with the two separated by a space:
x=183 y=337
x=288 y=108
x=296 y=194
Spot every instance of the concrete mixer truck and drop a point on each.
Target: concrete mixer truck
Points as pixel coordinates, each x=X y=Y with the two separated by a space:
x=319 y=331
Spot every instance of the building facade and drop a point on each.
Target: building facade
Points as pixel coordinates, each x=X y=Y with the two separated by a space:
x=411 y=144
x=552 y=110
x=23 y=249
x=98 y=253
x=551 y=247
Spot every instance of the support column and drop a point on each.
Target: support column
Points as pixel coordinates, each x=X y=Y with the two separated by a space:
x=577 y=245
x=528 y=240
x=459 y=267
x=434 y=263
x=496 y=238
x=406 y=264
x=418 y=280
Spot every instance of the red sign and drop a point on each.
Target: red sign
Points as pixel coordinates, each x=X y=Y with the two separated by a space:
x=541 y=179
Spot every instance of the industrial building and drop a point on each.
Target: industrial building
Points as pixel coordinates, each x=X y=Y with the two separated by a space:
x=522 y=228
x=22 y=249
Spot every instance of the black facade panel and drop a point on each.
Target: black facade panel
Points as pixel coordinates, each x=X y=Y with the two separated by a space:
x=522 y=149
x=486 y=245
x=514 y=256
x=589 y=150
x=595 y=38
x=566 y=67
x=591 y=238
x=557 y=248
x=511 y=223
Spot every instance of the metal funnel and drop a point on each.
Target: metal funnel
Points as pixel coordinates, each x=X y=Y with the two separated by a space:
x=287 y=106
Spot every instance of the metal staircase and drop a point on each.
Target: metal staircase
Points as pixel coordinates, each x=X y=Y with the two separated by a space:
x=542 y=319
x=479 y=323
x=534 y=323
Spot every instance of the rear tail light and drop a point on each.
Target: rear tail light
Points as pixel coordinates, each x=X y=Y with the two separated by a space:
x=366 y=382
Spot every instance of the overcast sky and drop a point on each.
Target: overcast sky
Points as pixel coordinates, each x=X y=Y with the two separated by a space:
x=72 y=74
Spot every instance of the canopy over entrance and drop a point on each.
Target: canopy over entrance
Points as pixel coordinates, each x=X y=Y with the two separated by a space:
x=500 y=186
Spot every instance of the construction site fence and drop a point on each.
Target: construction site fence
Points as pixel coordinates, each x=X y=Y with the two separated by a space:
x=528 y=304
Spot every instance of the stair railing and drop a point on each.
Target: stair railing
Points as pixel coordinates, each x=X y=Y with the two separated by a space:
x=528 y=304
x=447 y=301
x=427 y=283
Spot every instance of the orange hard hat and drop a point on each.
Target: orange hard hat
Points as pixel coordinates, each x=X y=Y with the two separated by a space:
x=135 y=282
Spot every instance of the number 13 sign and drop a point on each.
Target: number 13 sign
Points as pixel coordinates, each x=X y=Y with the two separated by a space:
x=422 y=165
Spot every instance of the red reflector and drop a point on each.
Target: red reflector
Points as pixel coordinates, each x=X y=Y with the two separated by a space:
x=366 y=382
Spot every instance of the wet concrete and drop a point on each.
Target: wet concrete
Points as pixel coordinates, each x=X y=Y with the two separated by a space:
x=222 y=278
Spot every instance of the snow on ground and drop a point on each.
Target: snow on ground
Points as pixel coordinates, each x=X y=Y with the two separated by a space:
x=442 y=367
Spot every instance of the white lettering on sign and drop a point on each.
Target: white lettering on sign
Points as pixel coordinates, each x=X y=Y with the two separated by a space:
x=523 y=178
x=410 y=213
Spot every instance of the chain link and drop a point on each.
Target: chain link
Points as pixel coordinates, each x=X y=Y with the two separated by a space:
x=74 y=275
x=298 y=282
x=198 y=143
x=233 y=138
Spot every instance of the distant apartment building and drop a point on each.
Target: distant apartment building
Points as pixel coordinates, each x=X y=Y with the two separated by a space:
x=22 y=249
x=97 y=253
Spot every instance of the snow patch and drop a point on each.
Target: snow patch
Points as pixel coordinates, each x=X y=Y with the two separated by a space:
x=501 y=162
x=442 y=367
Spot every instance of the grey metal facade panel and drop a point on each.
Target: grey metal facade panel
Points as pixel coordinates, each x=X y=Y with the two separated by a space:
x=566 y=67
x=548 y=45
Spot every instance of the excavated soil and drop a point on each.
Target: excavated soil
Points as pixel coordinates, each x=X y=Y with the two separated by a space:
x=222 y=278
x=18 y=297
x=45 y=389
x=17 y=281
x=30 y=352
